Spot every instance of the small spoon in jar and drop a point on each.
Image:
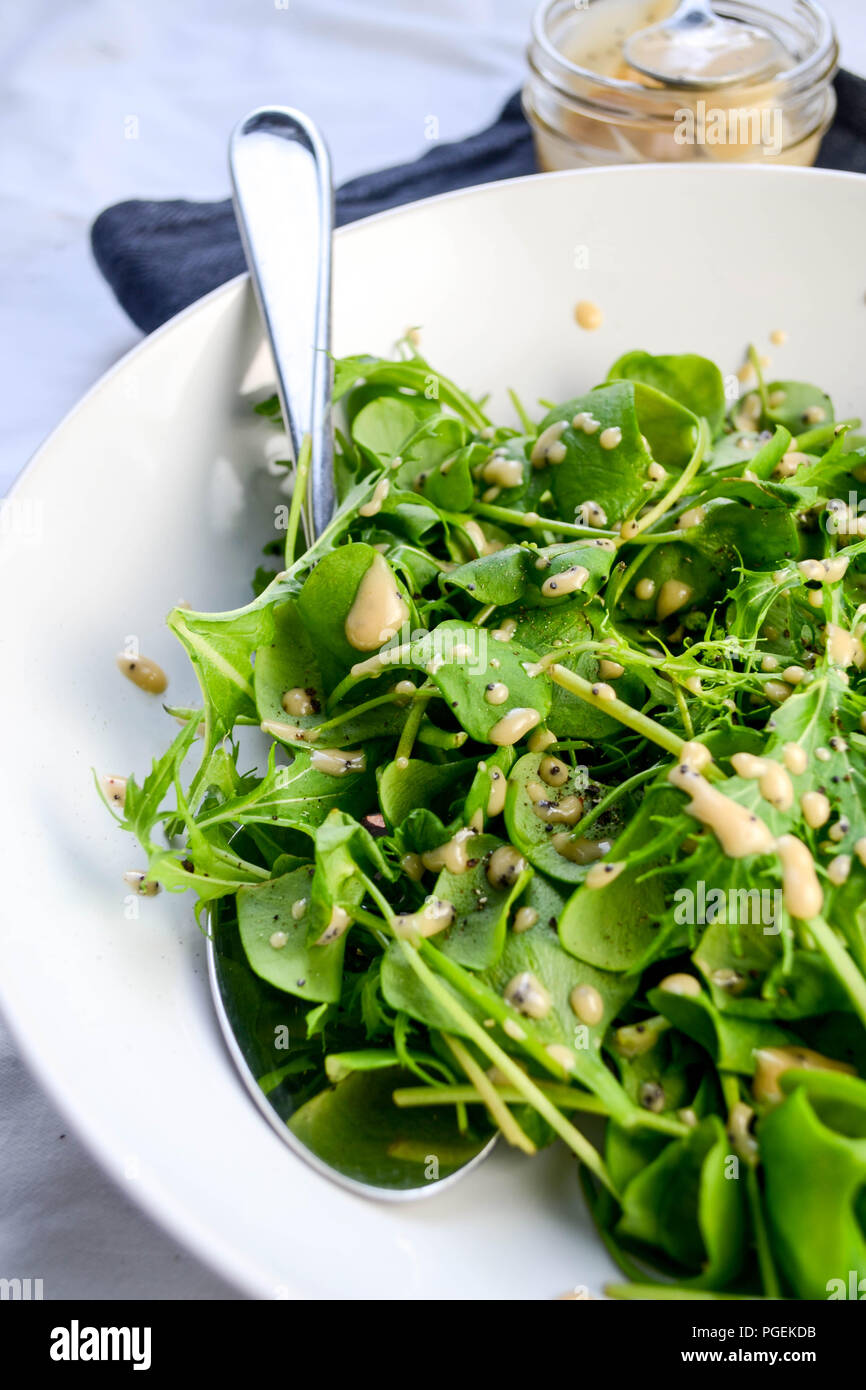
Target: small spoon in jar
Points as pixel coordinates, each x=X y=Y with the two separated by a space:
x=696 y=47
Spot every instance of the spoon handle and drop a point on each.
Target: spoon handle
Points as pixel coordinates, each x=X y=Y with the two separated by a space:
x=284 y=203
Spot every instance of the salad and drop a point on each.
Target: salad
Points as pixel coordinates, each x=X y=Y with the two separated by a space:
x=561 y=833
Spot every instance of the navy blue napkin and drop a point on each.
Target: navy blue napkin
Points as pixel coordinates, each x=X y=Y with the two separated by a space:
x=158 y=257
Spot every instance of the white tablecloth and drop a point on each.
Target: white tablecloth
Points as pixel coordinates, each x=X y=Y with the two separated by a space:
x=371 y=72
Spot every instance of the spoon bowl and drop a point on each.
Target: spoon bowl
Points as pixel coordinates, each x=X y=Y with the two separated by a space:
x=249 y=1011
x=696 y=47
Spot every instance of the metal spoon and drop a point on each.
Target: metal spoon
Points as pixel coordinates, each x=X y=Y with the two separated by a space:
x=284 y=202
x=252 y=1014
x=695 y=47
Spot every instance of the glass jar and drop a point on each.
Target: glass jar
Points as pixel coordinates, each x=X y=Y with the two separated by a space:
x=587 y=107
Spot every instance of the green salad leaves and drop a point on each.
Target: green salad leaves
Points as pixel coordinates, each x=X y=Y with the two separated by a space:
x=535 y=789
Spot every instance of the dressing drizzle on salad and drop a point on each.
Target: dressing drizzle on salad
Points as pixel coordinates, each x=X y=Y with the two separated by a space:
x=537 y=786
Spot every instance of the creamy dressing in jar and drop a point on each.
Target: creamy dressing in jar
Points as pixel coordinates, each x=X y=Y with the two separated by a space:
x=587 y=106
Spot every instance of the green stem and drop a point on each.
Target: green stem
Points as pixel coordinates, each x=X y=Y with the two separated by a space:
x=665 y=503
x=486 y=1091
x=684 y=711
x=769 y=1277
x=429 y=385
x=193 y=830
x=759 y=373
x=651 y=538
x=618 y=709
x=509 y=1068
x=531 y=521
x=730 y=1089
x=377 y=925
x=596 y=1075
x=822 y=434
x=357 y=710
x=234 y=861
x=590 y=1071
x=299 y=497
x=841 y=962
x=528 y=426
x=566 y=1097
x=412 y=725
x=185 y=714
x=610 y=797
x=372 y=668
x=630 y=570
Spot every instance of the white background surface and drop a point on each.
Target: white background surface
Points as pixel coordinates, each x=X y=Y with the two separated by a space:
x=371 y=72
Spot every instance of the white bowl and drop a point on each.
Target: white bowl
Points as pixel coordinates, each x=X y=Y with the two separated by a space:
x=154 y=490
